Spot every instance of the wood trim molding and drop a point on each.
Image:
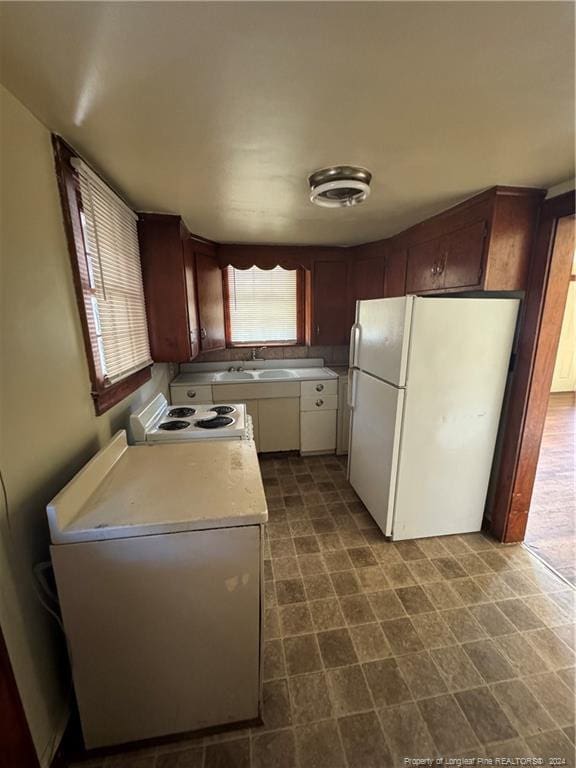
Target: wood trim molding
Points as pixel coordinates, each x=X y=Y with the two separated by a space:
x=541 y=323
x=104 y=396
x=16 y=745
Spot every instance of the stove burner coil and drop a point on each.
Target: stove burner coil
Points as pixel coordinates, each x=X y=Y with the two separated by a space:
x=173 y=426
x=181 y=413
x=222 y=410
x=215 y=423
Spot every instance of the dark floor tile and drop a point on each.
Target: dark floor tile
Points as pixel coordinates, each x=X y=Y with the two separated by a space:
x=485 y=715
x=521 y=654
x=491 y=618
x=290 y=591
x=456 y=668
x=282 y=548
x=317 y=586
x=295 y=619
x=421 y=675
x=424 y=571
x=447 y=725
x=228 y=754
x=521 y=707
x=362 y=557
x=402 y=636
x=276 y=704
x=348 y=690
x=356 y=609
x=520 y=615
x=311 y=564
x=474 y=565
x=409 y=550
x=337 y=561
x=369 y=642
x=386 y=682
x=306 y=545
x=488 y=660
x=414 y=600
x=286 y=568
x=496 y=561
x=363 y=741
x=326 y=614
x=301 y=654
x=449 y=567
x=336 y=648
x=318 y=746
x=310 y=698
x=274 y=750
x=406 y=732
x=345 y=583
x=442 y=596
x=469 y=591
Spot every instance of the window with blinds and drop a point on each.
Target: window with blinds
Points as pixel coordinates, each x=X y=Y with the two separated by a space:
x=112 y=279
x=262 y=305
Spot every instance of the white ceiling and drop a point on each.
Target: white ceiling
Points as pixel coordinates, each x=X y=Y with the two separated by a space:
x=219 y=111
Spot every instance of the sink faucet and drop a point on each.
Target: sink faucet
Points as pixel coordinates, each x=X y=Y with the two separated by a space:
x=254 y=353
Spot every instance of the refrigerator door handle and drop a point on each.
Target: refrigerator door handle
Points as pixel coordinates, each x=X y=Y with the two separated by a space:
x=351 y=393
x=354 y=335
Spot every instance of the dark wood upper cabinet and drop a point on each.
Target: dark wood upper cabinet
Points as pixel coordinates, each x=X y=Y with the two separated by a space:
x=367 y=278
x=481 y=244
x=210 y=301
x=174 y=268
x=395 y=273
x=332 y=314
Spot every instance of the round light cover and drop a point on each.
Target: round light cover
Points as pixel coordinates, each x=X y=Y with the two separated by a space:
x=339 y=186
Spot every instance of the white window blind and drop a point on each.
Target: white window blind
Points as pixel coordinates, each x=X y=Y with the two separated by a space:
x=115 y=278
x=262 y=305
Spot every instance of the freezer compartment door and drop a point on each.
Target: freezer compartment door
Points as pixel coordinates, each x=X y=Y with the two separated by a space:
x=381 y=336
x=374 y=444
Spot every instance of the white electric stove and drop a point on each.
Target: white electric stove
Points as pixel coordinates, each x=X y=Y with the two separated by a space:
x=160 y=422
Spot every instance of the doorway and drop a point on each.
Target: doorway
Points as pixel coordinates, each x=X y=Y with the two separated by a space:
x=551 y=530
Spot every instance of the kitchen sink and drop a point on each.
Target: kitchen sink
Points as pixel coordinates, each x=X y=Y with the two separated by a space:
x=235 y=376
x=275 y=374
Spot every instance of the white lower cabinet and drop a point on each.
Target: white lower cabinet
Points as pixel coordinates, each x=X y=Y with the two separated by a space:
x=317 y=432
x=278 y=424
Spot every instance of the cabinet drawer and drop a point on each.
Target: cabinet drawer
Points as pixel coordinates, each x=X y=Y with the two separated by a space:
x=318 y=432
x=314 y=388
x=185 y=394
x=319 y=403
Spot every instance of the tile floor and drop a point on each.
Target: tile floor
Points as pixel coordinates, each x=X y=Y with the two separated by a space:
x=378 y=651
x=551 y=531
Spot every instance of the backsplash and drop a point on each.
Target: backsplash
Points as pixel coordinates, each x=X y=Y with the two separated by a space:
x=331 y=355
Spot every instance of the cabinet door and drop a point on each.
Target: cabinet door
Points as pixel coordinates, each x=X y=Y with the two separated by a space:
x=318 y=431
x=279 y=424
x=332 y=310
x=424 y=270
x=464 y=250
x=190 y=277
x=210 y=302
x=368 y=279
x=395 y=273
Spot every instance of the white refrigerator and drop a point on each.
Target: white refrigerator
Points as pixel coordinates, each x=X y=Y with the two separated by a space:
x=427 y=381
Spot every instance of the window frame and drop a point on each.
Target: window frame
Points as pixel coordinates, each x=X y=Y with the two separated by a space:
x=104 y=396
x=300 y=312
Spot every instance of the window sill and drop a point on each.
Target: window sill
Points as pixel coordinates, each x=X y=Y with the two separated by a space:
x=264 y=344
x=107 y=398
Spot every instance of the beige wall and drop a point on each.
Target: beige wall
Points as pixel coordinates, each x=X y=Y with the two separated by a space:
x=47 y=424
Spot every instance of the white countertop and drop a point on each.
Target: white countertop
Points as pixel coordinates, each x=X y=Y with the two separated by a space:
x=142 y=490
x=252 y=375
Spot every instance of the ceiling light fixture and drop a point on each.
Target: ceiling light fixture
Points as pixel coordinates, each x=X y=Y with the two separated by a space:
x=339 y=186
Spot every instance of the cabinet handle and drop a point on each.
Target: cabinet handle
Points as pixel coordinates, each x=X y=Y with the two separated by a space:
x=434 y=269
x=317 y=330
x=191 y=393
x=202 y=333
x=319 y=403
x=319 y=387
